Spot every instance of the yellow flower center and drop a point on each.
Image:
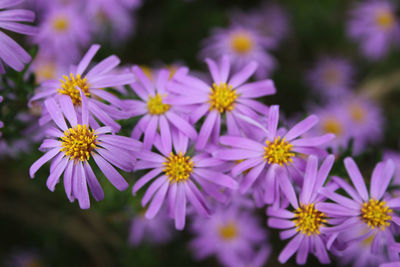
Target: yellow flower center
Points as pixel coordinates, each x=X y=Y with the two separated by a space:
x=155 y=106
x=308 y=219
x=357 y=113
x=222 y=97
x=332 y=125
x=331 y=75
x=60 y=24
x=228 y=231
x=45 y=71
x=178 y=167
x=278 y=152
x=79 y=142
x=69 y=87
x=241 y=42
x=375 y=213
x=385 y=19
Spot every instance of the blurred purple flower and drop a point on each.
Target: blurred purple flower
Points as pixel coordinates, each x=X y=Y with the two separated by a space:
x=11 y=53
x=375 y=26
x=231 y=234
x=331 y=77
x=73 y=143
x=243 y=46
x=177 y=176
x=276 y=161
x=233 y=98
x=156 y=114
x=92 y=82
x=306 y=225
x=24 y=258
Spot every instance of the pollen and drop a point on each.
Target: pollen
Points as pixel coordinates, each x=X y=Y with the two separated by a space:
x=385 y=19
x=228 y=231
x=332 y=125
x=357 y=113
x=79 y=142
x=308 y=219
x=376 y=214
x=178 y=167
x=222 y=97
x=278 y=152
x=155 y=105
x=60 y=24
x=70 y=85
x=241 y=42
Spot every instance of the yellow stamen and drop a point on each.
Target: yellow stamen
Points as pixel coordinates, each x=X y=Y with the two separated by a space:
x=241 y=42
x=155 y=106
x=385 y=19
x=357 y=113
x=222 y=97
x=376 y=214
x=332 y=125
x=178 y=167
x=79 y=142
x=308 y=219
x=278 y=152
x=60 y=24
x=69 y=87
x=228 y=231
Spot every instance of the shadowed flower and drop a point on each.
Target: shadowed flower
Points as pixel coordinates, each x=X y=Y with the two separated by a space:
x=230 y=99
x=92 y=82
x=375 y=26
x=73 y=142
x=11 y=53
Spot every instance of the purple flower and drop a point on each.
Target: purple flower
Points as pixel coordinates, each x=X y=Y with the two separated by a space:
x=232 y=99
x=306 y=225
x=46 y=68
x=331 y=77
x=375 y=26
x=155 y=231
x=177 y=176
x=11 y=53
x=63 y=32
x=24 y=258
x=277 y=160
x=92 y=82
x=363 y=216
x=395 y=157
x=157 y=114
x=231 y=234
x=73 y=142
x=243 y=46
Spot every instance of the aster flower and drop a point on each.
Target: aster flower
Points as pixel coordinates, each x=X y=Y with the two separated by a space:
x=306 y=225
x=73 y=142
x=155 y=231
x=156 y=113
x=178 y=176
x=375 y=26
x=277 y=160
x=231 y=234
x=331 y=77
x=92 y=82
x=46 y=68
x=63 y=32
x=243 y=45
x=363 y=216
x=11 y=53
x=231 y=98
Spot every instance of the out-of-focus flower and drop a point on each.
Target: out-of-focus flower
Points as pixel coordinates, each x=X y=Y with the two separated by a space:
x=231 y=234
x=112 y=18
x=63 y=32
x=306 y=225
x=364 y=216
x=331 y=77
x=92 y=82
x=243 y=46
x=11 y=53
x=46 y=68
x=73 y=142
x=232 y=99
x=157 y=114
x=155 y=231
x=277 y=159
x=177 y=175
x=375 y=26
x=24 y=258
x=271 y=20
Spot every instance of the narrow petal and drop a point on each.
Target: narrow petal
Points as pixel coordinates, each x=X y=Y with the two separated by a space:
x=42 y=160
x=356 y=178
x=291 y=248
x=242 y=76
x=301 y=127
x=87 y=58
x=157 y=201
x=112 y=175
x=180 y=207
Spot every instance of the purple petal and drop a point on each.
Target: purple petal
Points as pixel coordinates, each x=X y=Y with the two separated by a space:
x=356 y=178
x=309 y=180
x=242 y=76
x=112 y=175
x=212 y=66
x=42 y=160
x=291 y=248
x=241 y=142
x=155 y=185
x=273 y=118
x=54 y=176
x=145 y=179
x=55 y=113
x=206 y=129
x=280 y=223
x=93 y=183
x=182 y=125
x=301 y=127
x=157 y=201
x=216 y=178
x=87 y=58
x=251 y=177
x=180 y=207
